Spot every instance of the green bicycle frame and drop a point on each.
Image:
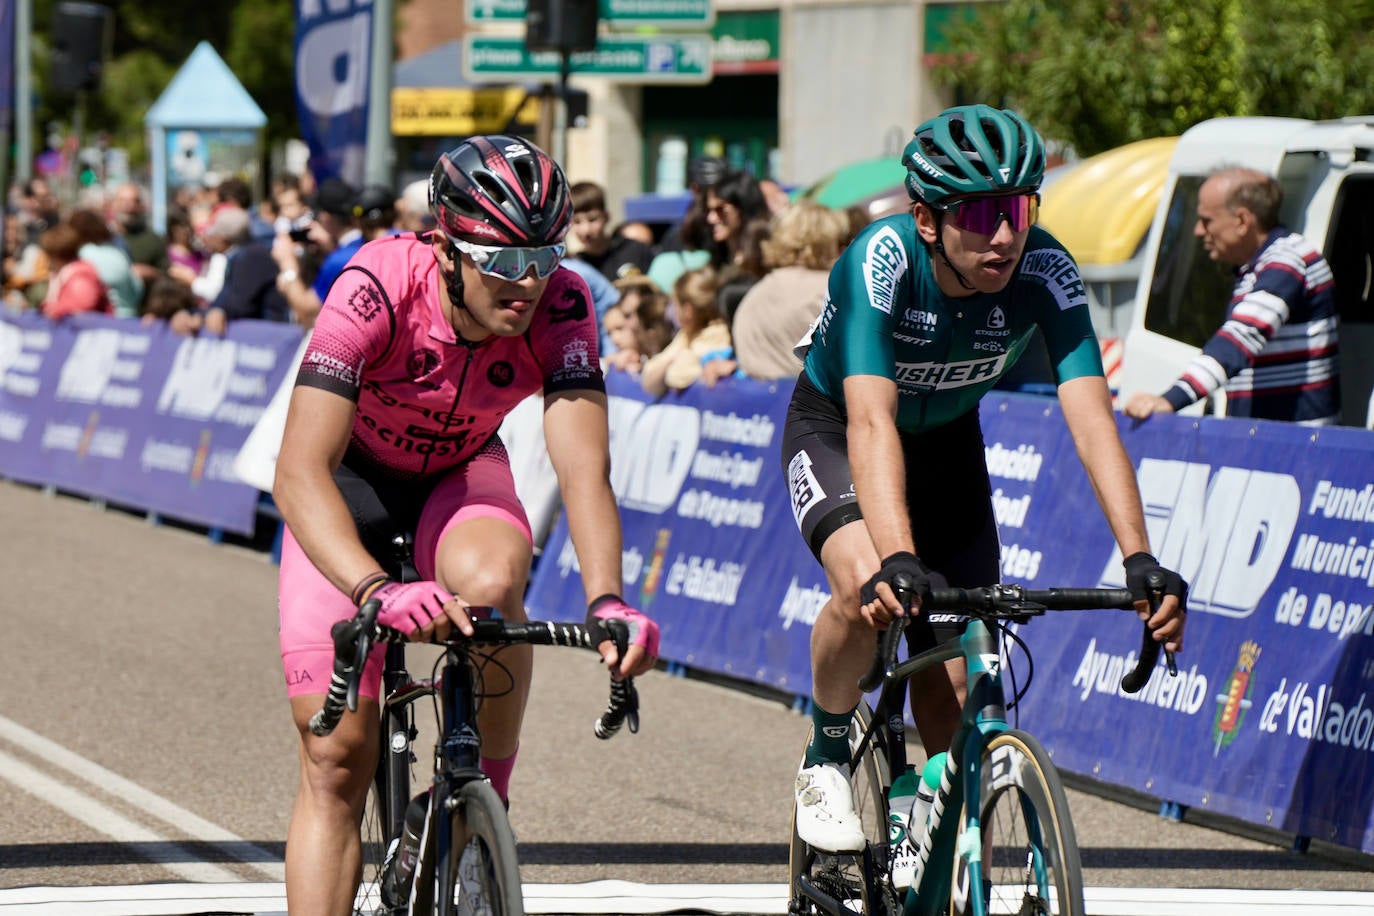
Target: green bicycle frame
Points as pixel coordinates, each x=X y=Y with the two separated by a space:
x=944 y=844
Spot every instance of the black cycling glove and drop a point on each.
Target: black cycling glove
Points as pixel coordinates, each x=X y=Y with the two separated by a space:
x=913 y=573
x=1140 y=565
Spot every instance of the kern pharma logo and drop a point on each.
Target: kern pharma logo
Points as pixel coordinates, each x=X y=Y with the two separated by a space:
x=1234 y=702
x=1226 y=533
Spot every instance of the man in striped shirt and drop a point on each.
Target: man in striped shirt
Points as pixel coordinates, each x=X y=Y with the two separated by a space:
x=1276 y=353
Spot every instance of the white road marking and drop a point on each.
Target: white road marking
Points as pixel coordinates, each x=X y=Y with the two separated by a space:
x=607 y=897
x=109 y=822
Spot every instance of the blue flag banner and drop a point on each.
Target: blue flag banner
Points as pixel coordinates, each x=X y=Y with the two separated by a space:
x=139 y=416
x=6 y=64
x=1271 y=716
x=333 y=74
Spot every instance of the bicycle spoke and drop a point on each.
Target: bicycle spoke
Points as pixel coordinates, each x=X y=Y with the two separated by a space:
x=1030 y=864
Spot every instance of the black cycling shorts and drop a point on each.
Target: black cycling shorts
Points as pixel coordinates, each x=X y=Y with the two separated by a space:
x=948 y=493
x=384 y=510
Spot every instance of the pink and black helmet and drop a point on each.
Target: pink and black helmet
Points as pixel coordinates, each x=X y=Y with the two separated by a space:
x=500 y=190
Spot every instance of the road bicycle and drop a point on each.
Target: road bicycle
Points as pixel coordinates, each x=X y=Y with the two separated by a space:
x=998 y=837
x=448 y=850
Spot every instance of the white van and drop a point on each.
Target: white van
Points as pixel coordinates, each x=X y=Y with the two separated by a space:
x=1327 y=172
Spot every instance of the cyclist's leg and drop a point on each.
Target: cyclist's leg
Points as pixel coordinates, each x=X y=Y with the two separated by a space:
x=323 y=845
x=323 y=850
x=815 y=459
x=956 y=535
x=474 y=539
x=817 y=463
x=842 y=643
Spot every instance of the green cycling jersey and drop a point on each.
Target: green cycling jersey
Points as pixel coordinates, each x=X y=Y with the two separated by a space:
x=885 y=315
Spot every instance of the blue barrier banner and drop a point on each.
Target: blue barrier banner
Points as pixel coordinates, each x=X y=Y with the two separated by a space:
x=137 y=415
x=333 y=75
x=711 y=550
x=1271 y=717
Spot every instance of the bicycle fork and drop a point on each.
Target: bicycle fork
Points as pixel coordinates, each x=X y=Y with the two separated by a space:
x=458 y=761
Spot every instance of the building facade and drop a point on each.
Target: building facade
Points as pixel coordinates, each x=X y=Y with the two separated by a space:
x=797 y=88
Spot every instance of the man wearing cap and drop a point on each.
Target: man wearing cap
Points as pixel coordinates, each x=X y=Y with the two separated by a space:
x=335 y=234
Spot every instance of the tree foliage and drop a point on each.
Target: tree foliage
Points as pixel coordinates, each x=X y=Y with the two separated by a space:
x=152 y=39
x=1095 y=74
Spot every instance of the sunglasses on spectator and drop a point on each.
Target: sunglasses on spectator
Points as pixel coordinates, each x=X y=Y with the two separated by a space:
x=510 y=263
x=984 y=214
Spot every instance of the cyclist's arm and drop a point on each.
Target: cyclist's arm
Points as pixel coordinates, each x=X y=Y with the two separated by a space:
x=578 y=441
x=1087 y=406
x=876 y=462
x=575 y=431
x=318 y=424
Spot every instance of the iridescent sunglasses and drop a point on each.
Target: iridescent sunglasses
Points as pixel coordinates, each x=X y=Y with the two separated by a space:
x=984 y=214
x=509 y=263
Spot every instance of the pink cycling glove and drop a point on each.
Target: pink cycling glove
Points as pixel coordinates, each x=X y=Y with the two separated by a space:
x=643 y=631
x=410 y=606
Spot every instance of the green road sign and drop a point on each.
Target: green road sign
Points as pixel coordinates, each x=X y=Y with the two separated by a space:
x=665 y=14
x=681 y=58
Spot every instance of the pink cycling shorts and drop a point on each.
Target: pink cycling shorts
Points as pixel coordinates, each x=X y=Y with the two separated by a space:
x=309 y=604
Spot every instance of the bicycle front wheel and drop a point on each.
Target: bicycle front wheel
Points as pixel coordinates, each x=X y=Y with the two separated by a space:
x=376 y=836
x=483 y=876
x=821 y=881
x=1029 y=854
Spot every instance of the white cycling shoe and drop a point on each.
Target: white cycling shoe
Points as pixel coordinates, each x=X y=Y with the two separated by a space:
x=825 y=809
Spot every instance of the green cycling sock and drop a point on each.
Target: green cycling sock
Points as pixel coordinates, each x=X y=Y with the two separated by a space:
x=829 y=736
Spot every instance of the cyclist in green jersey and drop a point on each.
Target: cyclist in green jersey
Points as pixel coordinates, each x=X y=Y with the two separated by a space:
x=882 y=446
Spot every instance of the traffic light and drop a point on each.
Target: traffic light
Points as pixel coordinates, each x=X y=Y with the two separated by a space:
x=567 y=26
x=82 y=34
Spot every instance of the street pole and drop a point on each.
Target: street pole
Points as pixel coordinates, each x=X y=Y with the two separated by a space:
x=378 y=157
x=561 y=117
x=23 y=90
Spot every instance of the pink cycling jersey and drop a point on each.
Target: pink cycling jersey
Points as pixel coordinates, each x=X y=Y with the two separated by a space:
x=429 y=406
x=426 y=400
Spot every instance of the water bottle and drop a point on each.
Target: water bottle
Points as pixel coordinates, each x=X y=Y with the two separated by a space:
x=918 y=794
x=401 y=867
x=901 y=798
x=925 y=796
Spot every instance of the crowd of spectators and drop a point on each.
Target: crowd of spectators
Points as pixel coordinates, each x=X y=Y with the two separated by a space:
x=730 y=289
x=227 y=254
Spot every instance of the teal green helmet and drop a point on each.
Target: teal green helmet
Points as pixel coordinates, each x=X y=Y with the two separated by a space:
x=973 y=149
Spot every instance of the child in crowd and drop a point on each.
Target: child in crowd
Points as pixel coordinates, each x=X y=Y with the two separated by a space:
x=703 y=336
x=637 y=325
x=172 y=301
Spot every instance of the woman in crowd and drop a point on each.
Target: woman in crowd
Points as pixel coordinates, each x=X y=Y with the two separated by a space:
x=122 y=283
x=75 y=286
x=777 y=311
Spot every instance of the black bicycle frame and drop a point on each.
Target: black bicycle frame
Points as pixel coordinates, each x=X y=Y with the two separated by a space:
x=459 y=762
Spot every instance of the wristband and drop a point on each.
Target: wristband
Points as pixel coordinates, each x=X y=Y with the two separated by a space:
x=603 y=600
x=369 y=584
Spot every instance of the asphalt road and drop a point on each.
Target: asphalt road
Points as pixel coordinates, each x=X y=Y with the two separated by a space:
x=144 y=738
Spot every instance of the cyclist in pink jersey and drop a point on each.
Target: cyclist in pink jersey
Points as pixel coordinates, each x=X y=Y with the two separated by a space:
x=422 y=346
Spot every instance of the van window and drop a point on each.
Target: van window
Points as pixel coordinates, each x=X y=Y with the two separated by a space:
x=1189 y=292
x=1350 y=251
